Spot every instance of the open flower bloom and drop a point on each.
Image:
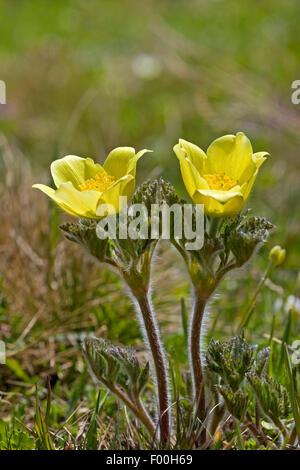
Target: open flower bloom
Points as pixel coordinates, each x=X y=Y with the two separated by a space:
x=86 y=189
x=221 y=178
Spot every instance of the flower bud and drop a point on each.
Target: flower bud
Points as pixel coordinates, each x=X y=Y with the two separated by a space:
x=277 y=255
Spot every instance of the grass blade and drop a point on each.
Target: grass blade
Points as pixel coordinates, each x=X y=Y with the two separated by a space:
x=292 y=391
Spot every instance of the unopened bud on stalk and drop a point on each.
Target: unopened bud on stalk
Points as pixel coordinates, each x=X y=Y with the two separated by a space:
x=277 y=255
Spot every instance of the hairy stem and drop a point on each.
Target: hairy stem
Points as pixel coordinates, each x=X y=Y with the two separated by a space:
x=195 y=353
x=152 y=336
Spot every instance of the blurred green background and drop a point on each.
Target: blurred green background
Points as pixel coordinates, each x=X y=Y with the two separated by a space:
x=84 y=77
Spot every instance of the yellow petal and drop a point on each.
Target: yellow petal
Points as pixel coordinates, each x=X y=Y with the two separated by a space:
x=191 y=177
x=259 y=158
x=51 y=193
x=233 y=207
x=74 y=169
x=117 y=161
x=231 y=155
x=112 y=194
x=220 y=196
x=219 y=205
x=195 y=154
x=131 y=167
x=77 y=203
x=246 y=189
x=236 y=189
x=122 y=161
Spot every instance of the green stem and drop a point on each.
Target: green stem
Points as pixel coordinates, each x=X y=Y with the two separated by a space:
x=146 y=418
x=214 y=225
x=137 y=409
x=152 y=336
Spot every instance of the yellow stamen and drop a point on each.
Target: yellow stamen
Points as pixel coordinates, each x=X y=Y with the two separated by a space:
x=101 y=182
x=220 y=181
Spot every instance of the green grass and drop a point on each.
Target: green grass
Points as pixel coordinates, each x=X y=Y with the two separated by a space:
x=72 y=89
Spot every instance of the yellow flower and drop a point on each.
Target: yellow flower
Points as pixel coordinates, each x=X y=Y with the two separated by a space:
x=84 y=188
x=221 y=178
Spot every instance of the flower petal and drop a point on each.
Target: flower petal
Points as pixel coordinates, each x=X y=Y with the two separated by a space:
x=218 y=205
x=52 y=194
x=220 y=196
x=233 y=207
x=74 y=169
x=246 y=189
x=122 y=160
x=122 y=187
x=117 y=161
x=131 y=168
x=231 y=155
x=195 y=154
x=78 y=203
x=259 y=158
x=191 y=177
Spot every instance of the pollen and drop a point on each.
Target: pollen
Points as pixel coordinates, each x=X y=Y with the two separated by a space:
x=220 y=181
x=101 y=182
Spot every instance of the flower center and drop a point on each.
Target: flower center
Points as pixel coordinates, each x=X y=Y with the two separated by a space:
x=101 y=182
x=220 y=181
